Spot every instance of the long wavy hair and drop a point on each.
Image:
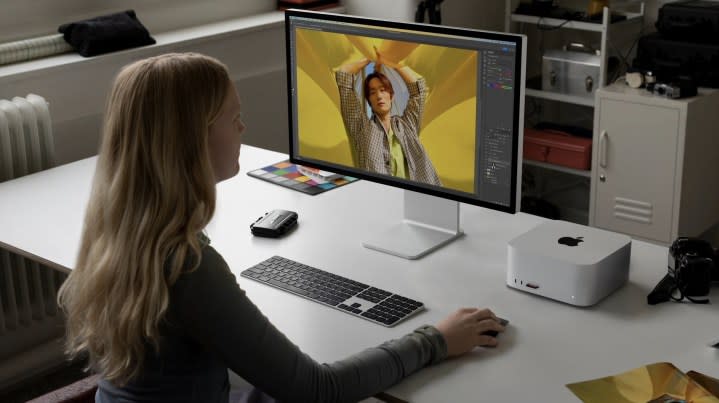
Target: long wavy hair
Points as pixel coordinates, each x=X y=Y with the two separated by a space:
x=152 y=195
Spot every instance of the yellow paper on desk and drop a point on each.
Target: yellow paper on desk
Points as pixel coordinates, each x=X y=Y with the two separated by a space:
x=642 y=385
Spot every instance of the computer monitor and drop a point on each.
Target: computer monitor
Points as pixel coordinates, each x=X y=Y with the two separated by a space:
x=443 y=120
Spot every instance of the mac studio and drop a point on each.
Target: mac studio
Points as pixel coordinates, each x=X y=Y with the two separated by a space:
x=648 y=179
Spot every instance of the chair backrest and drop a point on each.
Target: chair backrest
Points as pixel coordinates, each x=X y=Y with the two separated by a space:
x=82 y=391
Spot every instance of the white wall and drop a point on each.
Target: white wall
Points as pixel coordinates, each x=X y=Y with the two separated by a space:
x=401 y=10
x=481 y=14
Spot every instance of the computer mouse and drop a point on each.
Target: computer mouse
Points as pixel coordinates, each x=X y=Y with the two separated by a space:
x=494 y=333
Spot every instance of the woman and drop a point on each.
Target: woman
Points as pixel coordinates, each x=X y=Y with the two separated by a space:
x=154 y=306
x=386 y=143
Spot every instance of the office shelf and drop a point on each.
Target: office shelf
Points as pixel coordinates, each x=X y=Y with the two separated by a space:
x=598 y=26
x=533 y=89
x=553 y=167
x=556 y=22
x=556 y=96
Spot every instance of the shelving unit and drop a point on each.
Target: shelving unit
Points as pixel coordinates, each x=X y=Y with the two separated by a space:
x=578 y=172
x=556 y=96
x=633 y=13
x=580 y=25
x=604 y=27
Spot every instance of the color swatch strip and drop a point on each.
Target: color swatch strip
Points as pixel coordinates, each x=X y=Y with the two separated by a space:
x=285 y=174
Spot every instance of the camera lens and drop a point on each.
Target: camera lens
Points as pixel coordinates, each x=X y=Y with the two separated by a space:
x=695 y=275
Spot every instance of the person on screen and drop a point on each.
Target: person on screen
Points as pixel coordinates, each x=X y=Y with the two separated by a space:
x=154 y=307
x=385 y=143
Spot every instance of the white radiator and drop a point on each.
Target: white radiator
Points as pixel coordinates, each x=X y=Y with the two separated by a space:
x=31 y=326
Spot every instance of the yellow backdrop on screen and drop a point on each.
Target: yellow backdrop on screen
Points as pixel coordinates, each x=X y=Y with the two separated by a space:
x=448 y=124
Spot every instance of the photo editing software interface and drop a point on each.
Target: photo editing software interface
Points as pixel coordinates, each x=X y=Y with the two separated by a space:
x=422 y=108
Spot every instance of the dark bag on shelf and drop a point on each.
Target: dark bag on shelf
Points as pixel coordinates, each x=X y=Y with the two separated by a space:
x=669 y=59
x=107 y=33
x=690 y=20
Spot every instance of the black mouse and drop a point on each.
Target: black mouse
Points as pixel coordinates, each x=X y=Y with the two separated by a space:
x=494 y=333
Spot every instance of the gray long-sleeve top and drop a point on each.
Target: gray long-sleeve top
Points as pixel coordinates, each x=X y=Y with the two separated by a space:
x=211 y=326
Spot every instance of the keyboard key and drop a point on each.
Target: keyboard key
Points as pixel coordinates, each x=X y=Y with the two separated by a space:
x=288 y=287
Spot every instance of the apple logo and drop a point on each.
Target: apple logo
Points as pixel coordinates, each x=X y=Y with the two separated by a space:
x=569 y=241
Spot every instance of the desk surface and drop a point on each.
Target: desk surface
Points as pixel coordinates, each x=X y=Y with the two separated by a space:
x=547 y=345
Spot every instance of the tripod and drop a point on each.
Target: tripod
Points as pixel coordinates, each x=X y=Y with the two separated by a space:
x=431 y=8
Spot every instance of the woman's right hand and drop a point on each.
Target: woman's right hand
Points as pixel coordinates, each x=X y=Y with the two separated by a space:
x=354 y=67
x=382 y=61
x=462 y=330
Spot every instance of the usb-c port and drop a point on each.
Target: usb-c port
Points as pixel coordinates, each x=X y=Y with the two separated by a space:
x=532 y=285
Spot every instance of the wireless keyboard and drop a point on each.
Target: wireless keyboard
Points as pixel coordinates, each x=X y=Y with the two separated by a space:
x=370 y=303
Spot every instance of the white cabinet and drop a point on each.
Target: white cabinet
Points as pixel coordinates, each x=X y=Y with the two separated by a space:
x=655 y=169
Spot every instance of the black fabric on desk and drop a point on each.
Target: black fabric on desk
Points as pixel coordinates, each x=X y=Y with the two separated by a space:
x=106 y=33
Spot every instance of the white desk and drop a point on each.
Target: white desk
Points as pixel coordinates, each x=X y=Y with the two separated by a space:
x=547 y=345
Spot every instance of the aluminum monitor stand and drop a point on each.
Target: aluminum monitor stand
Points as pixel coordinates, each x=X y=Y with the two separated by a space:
x=429 y=223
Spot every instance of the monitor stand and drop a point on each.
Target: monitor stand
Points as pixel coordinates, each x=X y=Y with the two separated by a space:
x=429 y=223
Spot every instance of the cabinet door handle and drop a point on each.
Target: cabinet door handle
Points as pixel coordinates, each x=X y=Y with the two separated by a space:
x=603 y=139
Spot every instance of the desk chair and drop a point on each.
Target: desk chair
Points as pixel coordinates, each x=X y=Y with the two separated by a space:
x=82 y=391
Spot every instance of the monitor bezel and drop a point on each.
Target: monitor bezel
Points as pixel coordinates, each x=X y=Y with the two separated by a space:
x=519 y=42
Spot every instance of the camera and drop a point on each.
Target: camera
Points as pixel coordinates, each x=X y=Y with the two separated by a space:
x=680 y=87
x=667 y=90
x=691 y=268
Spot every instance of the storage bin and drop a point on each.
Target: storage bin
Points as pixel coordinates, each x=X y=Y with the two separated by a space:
x=558 y=148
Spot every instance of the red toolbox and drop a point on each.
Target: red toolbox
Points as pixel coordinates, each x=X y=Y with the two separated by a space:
x=556 y=147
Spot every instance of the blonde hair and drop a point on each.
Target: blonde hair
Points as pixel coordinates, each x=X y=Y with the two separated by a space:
x=152 y=195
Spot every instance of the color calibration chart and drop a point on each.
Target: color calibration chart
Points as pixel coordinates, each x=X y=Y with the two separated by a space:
x=287 y=174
